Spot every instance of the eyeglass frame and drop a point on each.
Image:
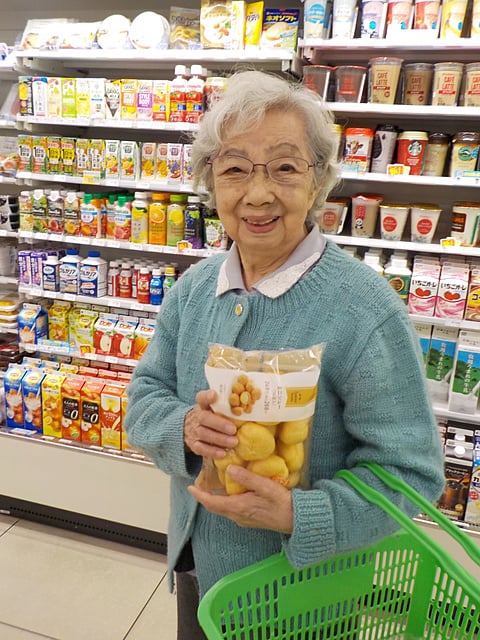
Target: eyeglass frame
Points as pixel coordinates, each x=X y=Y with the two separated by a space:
x=310 y=165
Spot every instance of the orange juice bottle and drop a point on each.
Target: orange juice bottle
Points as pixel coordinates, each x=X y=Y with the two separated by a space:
x=157 y=218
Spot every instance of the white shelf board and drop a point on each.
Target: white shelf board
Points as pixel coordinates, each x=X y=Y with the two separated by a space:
x=7 y=180
x=6 y=123
x=148 y=125
x=441 y=409
x=408 y=111
x=404 y=245
x=446 y=322
x=5 y=233
x=430 y=181
x=94 y=357
x=9 y=280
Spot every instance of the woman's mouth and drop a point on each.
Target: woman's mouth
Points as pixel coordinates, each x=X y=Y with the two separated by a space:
x=260 y=222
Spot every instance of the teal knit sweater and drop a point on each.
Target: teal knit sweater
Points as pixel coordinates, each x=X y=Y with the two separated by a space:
x=371 y=405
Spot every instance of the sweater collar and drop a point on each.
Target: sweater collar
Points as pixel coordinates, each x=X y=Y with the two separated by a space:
x=302 y=258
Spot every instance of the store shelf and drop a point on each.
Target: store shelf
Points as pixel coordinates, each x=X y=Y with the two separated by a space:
x=117 y=244
x=148 y=125
x=65 y=349
x=430 y=181
x=447 y=322
x=92 y=180
x=270 y=59
x=109 y=301
x=6 y=123
x=365 y=109
x=404 y=245
x=9 y=280
x=5 y=233
x=7 y=180
x=441 y=410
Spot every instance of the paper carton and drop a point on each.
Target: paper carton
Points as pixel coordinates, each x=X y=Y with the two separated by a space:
x=111 y=415
x=52 y=403
x=12 y=382
x=71 y=407
x=90 y=410
x=32 y=399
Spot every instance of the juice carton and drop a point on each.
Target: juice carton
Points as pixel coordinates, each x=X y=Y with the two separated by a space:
x=107 y=374
x=96 y=156
x=71 y=407
x=97 y=98
x=424 y=332
x=187 y=177
x=87 y=371
x=52 y=403
x=423 y=288
x=111 y=415
x=452 y=292
x=39 y=154
x=69 y=106
x=82 y=330
x=12 y=382
x=112 y=90
x=24 y=153
x=148 y=154
x=465 y=380
x=128 y=99
x=124 y=376
x=174 y=163
x=112 y=158
x=129 y=160
x=82 y=163
x=58 y=328
x=472 y=310
x=439 y=367
x=68 y=368
x=161 y=163
x=161 y=101
x=67 y=149
x=54 y=154
x=144 y=100
x=54 y=97
x=32 y=399
x=32 y=323
x=90 y=410
x=40 y=96
x=36 y=259
x=104 y=331
x=143 y=334
x=124 y=336
x=472 y=512
x=25 y=95
x=82 y=98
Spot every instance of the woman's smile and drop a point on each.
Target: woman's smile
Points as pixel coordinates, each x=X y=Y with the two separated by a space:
x=260 y=224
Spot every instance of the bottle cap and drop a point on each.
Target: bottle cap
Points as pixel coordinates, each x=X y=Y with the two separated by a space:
x=180 y=70
x=156 y=272
x=196 y=70
x=87 y=198
x=93 y=254
x=72 y=252
x=169 y=271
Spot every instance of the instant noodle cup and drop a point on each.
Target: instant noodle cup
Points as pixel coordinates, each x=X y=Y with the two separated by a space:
x=270 y=397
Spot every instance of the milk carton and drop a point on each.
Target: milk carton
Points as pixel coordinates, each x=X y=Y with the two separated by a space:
x=440 y=359
x=12 y=382
x=423 y=288
x=465 y=380
x=472 y=512
x=452 y=292
x=32 y=323
x=32 y=399
x=93 y=275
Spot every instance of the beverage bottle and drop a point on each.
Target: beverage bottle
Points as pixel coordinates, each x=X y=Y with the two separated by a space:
x=51 y=274
x=39 y=211
x=373 y=259
x=71 y=214
x=55 y=204
x=399 y=275
x=156 y=287
x=178 y=88
x=123 y=219
x=125 y=281
x=135 y=273
x=194 y=94
x=90 y=217
x=143 y=285
x=194 y=223
x=93 y=275
x=113 y=279
x=175 y=219
x=169 y=279
x=69 y=272
x=139 y=233
x=157 y=218
x=110 y=216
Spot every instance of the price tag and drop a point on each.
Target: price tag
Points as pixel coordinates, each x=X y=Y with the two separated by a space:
x=397 y=170
x=91 y=177
x=111 y=359
x=184 y=245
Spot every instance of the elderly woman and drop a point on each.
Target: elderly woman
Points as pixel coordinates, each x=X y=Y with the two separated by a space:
x=266 y=156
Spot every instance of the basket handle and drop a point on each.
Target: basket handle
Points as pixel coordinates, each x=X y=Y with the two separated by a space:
x=374 y=496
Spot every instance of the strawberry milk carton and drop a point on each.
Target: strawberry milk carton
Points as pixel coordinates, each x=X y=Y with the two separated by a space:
x=423 y=288
x=452 y=291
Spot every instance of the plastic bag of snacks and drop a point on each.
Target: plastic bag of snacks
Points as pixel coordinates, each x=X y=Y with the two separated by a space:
x=270 y=397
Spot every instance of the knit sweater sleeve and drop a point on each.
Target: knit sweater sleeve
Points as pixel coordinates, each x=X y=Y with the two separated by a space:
x=391 y=423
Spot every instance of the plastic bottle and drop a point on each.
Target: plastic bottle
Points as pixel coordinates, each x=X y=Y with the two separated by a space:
x=194 y=94
x=157 y=218
x=113 y=279
x=93 y=275
x=178 y=88
x=156 y=287
x=135 y=274
x=71 y=214
x=70 y=272
x=51 y=274
x=373 y=259
x=175 y=219
x=193 y=223
x=169 y=279
x=143 y=285
x=123 y=219
x=90 y=217
x=125 y=281
x=399 y=275
x=139 y=233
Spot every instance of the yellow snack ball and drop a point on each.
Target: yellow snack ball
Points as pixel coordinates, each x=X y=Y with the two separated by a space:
x=232 y=487
x=293 y=454
x=273 y=467
x=230 y=457
x=254 y=441
x=293 y=479
x=293 y=431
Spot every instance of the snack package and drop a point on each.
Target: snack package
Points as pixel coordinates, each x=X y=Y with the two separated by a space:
x=270 y=396
x=185 y=28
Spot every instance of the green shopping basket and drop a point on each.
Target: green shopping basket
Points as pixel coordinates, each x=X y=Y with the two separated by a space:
x=405 y=587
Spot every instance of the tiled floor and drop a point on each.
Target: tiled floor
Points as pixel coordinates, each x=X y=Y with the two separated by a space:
x=60 y=585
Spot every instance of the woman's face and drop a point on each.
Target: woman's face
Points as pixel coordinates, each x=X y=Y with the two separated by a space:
x=260 y=214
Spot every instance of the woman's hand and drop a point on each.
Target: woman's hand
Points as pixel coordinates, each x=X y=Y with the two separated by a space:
x=205 y=433
x=266 y=505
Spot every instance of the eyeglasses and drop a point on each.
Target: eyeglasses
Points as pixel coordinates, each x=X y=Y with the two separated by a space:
x=232 y=169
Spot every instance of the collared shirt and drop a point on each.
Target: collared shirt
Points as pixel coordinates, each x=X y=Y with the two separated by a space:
x=308 y=253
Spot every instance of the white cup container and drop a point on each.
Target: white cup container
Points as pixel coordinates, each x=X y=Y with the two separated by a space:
x=393 y=218
x=423 y=222
x=344 y=17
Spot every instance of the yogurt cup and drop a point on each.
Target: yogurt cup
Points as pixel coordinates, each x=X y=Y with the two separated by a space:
x=423 y=222
x=393 y=218
x=365 y=214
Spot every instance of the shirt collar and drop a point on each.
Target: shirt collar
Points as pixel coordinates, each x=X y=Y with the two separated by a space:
x=304 y=256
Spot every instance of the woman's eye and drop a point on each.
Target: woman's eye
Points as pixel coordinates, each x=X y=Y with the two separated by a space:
x=286 y=168
x=235 y=170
